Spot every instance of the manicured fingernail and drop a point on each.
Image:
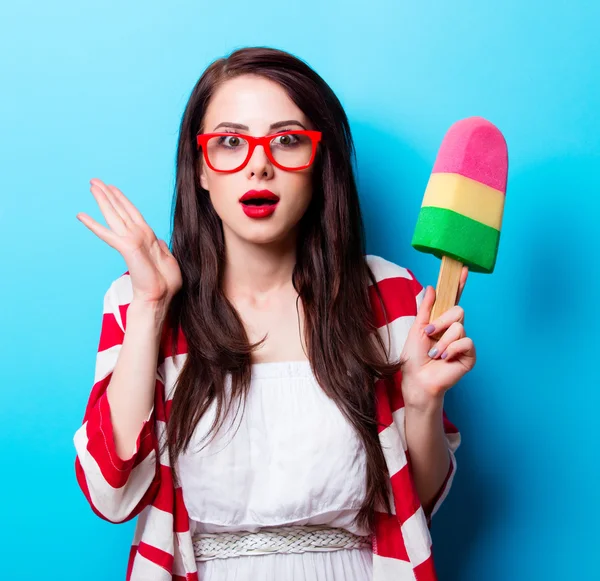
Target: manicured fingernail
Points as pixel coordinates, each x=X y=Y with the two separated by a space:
x=433 y=352
x=429 y=329
x=444 y=355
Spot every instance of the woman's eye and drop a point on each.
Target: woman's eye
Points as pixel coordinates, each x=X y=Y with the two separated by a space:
x=286 y=139
x=232 y=141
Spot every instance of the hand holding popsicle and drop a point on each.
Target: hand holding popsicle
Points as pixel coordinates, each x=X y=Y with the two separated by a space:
x=459 y=222
x=431 y=367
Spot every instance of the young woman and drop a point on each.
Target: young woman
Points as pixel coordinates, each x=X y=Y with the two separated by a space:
x=268 y=400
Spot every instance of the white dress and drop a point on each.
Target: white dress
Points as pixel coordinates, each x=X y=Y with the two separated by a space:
x=291 y=458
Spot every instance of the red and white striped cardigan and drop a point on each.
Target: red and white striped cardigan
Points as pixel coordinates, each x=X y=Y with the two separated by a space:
x=142 y=486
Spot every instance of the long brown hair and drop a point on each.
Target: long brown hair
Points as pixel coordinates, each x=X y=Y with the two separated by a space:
x=331 y=275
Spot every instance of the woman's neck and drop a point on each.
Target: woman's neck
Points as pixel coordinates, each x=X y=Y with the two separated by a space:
x=258 y=270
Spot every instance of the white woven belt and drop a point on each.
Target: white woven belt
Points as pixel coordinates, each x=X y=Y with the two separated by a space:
x=290 y=539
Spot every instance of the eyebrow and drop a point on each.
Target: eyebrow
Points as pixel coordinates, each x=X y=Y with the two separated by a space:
x=277 y=125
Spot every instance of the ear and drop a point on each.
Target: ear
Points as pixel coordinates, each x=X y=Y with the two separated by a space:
x=203 y=176
x=203 y=180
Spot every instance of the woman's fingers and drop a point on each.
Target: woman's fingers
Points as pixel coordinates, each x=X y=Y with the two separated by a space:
x=164 y=247
x=110 y=213
x=455 y=332
x=424 y=312
x=464 y=346
x=101 y=231
x=115 y=202
x=133 y=212
x=119 y=207
x=463 y=281
x=452 y=315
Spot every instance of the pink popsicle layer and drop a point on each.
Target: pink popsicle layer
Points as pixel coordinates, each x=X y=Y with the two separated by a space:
x=474 y=148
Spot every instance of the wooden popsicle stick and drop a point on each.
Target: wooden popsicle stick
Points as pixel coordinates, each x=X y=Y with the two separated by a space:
x=447 y=288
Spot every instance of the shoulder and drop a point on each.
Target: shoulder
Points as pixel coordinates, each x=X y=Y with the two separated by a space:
x=399 y=289
x=120 y=289
x=383 y=268
x=395 y=305
x=117 y=298
x=393 y=278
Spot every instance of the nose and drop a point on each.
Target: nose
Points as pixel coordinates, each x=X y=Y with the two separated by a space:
x=259 y=164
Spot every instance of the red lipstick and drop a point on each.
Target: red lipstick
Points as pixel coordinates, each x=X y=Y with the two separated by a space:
x=259 y=203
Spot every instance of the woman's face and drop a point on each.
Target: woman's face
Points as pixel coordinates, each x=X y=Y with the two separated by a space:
x=257 y=104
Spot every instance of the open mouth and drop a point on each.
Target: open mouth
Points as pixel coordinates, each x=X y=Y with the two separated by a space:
x=259 y=202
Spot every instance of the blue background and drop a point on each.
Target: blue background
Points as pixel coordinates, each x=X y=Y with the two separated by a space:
x=98 y=89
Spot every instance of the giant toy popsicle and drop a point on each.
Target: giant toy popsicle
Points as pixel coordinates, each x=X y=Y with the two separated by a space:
x=461 y=213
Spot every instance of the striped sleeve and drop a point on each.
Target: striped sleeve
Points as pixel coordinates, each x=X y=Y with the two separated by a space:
x=117 y=489
x=452 y=433
x=402 y=295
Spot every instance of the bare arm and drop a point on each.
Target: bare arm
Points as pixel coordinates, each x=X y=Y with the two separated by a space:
x=155 y=278
x=131 y=389
x=428 y=448
x=431 y=368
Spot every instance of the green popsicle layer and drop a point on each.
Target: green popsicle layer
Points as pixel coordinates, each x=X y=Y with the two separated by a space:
x=442 y=232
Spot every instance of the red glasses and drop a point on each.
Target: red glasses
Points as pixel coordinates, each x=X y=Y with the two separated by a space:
x=230 y=152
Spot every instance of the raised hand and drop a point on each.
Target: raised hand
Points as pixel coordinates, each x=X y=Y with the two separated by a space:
x=155 y=274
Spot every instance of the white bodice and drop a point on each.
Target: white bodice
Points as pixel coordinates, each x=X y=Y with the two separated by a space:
x=289 y=458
